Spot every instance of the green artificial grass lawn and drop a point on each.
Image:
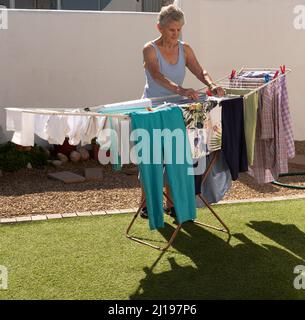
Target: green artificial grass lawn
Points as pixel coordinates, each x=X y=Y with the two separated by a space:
x=90 y=257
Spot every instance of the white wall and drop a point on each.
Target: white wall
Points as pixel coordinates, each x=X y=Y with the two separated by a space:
x=229 y=34
x=72 y=58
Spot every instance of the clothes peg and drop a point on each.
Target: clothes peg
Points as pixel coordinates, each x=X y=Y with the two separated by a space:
x=283 y=68
x=209 y=92
x=233 y=73
x=267 y=78
x=276 y=74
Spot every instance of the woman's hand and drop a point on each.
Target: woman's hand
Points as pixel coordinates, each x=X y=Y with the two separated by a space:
x=218 y=91
x=190 y=93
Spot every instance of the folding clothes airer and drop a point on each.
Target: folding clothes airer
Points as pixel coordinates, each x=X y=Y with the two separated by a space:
x=226 y=82
x=137 y=239
x=124 y=116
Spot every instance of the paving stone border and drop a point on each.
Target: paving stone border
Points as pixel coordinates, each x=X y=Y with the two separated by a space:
x=19 y=219
x=65 y=215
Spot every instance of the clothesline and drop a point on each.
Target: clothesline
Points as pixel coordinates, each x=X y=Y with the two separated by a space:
x=66 y=113
x=63 y=111
x=225 y=83
x=256 y=84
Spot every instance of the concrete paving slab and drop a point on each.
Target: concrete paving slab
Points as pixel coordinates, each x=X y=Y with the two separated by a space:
x=8 y=220
x=98 y=213
x=69 y=215
x=54 y=216
x=112 y=211
x=23 y=219
x=84 y=214
x=39 y=218
x=67 y=177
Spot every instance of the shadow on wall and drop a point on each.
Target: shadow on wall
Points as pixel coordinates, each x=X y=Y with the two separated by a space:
x=246 y=271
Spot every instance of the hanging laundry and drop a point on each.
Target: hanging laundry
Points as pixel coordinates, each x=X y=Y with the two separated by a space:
x=91 y=127
x=203 y=123
x=268 y=132
x=23 y=126
x=260 y=74
x=115 y=141
x=233 y=136
x=250 y=119
x=75 y=127
x=252 y=78
x=40 y=128
x=57 y=129
x=271 y=153
x=286 y=116
x=217 y=183
x=180 y=181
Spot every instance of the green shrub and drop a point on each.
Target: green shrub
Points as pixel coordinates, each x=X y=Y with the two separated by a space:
x=12 y=159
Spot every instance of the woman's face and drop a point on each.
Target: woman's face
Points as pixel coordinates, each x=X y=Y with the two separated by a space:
x=171 y=31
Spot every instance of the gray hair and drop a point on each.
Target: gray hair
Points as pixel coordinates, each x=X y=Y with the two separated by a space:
x=170 y=13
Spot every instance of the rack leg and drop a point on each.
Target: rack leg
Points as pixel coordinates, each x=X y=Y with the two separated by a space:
x=225 y=228
x=136 y=239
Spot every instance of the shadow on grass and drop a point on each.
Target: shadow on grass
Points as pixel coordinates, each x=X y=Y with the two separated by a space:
x=286 y=235
x=220 y=271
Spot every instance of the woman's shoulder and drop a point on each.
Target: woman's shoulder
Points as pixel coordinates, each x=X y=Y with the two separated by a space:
x=149 y=51
x=186 y=45
x=188 y=51
x=150 y=44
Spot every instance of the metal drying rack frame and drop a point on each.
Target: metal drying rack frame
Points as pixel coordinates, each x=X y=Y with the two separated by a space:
x=226 y=83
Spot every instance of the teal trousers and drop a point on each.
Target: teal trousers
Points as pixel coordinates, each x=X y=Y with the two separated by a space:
x=167 y=146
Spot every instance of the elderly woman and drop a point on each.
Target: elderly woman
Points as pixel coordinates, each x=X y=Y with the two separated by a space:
x=165 y=59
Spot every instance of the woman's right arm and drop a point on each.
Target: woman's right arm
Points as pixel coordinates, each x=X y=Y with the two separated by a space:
x=152 y=65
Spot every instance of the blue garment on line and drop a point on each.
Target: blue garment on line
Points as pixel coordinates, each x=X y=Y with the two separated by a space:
x=180 y=181
x=217 y=183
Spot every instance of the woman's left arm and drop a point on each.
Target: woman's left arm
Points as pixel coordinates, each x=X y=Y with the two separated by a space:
x=194 y=66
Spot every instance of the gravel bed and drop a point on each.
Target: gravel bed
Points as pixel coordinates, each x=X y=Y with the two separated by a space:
x=31 y=192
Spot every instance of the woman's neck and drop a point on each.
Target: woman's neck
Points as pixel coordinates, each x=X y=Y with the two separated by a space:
x=167 y=44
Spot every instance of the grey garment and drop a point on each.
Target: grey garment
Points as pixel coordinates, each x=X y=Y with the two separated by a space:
x=217 y=183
